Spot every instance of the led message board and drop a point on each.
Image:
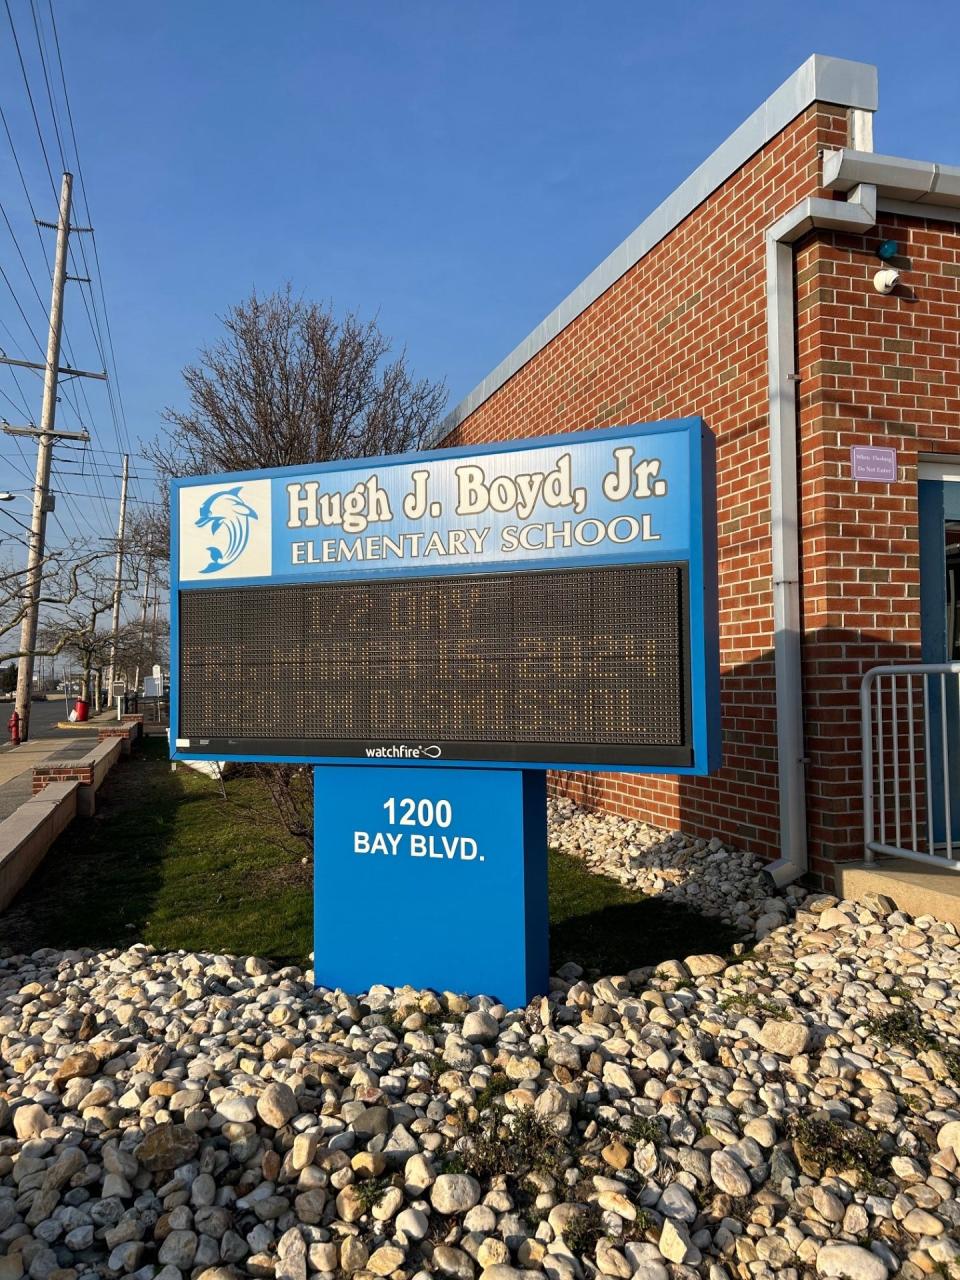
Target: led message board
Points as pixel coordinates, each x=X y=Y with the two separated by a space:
x=545 y=603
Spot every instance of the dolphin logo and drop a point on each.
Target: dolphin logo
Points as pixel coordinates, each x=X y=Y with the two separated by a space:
x=226 y=510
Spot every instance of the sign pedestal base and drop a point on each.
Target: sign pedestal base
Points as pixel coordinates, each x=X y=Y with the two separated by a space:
x=431 y=877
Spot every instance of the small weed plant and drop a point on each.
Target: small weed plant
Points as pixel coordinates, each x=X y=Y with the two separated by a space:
x=498 y=1084
x=512 y=1146
x=370 y=1192
x=755 y=1004
x=903 y=1027
x=827 y=1144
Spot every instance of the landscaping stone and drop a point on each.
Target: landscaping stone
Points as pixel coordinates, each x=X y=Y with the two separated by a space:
x=454 y=1193
x=758 y=1115
x=850 y=1262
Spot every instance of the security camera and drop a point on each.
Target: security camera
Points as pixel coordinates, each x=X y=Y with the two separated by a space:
x=886 y=280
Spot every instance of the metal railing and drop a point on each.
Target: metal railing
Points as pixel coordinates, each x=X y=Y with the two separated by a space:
x=910 y=725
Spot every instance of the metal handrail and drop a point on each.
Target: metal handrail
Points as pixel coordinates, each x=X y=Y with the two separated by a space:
x=871 y=699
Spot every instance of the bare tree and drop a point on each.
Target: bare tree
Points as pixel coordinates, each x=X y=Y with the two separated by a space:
x=290 y=384
x=65 y=577
x=77 y=631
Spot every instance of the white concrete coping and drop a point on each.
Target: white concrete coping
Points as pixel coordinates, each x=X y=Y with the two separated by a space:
x=29 y=832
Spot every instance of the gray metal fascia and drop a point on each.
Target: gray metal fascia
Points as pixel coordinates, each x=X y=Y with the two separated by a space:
x=827 y=215
x=916 y=209
x=819 y=79
x=896 y=178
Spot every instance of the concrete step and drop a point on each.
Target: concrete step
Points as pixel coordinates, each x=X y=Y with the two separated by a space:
x=919 y=888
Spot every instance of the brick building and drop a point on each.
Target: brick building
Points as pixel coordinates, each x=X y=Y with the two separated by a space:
x=749 y=297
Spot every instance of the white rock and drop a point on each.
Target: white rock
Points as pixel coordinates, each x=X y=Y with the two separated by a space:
x=948 y=1137
x=454 y=1193
x=480 y=1028
x=674 y=1241
x=412 y=1223
x=238 y=1110
x=850 y=1262
x=787 y=1038
x=728 y=1175
x=30 y=1121
x=178 y=1249
x=291 y=1256
x=277 y=1105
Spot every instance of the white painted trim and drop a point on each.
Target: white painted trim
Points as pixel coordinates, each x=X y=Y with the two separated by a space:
x=939 y=466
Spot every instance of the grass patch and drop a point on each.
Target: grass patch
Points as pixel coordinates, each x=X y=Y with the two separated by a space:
x=168 y=862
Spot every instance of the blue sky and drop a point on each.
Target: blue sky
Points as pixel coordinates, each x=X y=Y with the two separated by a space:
x=455 y=168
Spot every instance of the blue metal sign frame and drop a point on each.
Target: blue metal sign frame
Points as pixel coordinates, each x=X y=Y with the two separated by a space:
x=692 y=541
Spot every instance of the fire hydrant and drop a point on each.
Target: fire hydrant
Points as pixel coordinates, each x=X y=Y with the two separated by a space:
x=13 y=728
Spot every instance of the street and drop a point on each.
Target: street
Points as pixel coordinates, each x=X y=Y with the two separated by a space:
x=43 y=717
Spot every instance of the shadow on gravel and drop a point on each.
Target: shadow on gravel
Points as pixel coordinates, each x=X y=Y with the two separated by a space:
x=617 y=939
x=609 y=929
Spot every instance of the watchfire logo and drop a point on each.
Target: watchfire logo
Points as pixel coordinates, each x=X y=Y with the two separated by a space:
x=402 y=752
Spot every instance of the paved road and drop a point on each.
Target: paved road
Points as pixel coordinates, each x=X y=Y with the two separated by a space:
x=43 y=716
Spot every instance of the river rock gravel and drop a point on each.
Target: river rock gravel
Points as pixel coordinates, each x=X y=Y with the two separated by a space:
x=706 y=875
x=789 y=1111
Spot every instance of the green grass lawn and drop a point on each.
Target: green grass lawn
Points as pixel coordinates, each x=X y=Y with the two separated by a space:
x=168 y=862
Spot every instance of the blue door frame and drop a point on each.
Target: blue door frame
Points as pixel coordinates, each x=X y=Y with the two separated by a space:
x=939 y=503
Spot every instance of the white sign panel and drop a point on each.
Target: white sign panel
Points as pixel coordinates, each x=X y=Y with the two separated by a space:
x=225 y=530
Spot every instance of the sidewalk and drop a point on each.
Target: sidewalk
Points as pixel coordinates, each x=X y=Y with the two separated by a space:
x=17 y=763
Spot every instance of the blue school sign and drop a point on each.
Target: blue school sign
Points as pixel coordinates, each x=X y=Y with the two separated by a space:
x=436 y=630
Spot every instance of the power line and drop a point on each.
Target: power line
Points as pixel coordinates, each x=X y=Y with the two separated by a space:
x=69 y=394
x=33 y=108
x=16 y=245
x=46 y=80
x=23 y=314
x=10 y=400
x=116 y=410
x=72 y=395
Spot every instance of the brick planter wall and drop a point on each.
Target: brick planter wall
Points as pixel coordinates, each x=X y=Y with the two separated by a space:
x=62 y=772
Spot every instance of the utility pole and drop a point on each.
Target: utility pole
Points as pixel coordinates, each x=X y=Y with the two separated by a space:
x=118 y=569
x=143 y=626
x=153 y=630
x=45 y=436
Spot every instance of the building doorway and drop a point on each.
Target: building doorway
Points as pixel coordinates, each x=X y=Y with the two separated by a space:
x=939 y=521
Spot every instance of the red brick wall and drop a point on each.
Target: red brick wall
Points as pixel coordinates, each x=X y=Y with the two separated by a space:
x=683 y=332
x=880 y=370
x=43 y=775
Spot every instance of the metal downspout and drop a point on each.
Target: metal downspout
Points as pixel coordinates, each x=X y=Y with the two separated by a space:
x=857 y=215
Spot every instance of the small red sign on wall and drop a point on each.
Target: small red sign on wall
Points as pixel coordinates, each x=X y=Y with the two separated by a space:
x=868 y=462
